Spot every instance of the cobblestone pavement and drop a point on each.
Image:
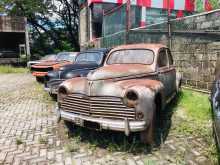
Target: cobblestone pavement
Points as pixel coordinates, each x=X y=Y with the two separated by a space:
x=29 y=134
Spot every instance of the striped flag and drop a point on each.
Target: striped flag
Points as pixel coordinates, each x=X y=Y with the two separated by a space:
x=188 y=5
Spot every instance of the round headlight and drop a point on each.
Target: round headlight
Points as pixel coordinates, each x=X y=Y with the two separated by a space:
x=71 y=75
x=62 y=93
x=140 y=115
x=131 y=98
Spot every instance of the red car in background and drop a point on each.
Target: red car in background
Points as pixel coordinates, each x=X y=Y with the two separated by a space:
x=41 y=70
x=49 y=57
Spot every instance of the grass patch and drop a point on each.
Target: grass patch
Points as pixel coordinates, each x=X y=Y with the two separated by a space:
x=73 y=146
x=196 y=105
x=109 y=140
x=19 y=141
x=38 y=92
x=195 y=115
x=43 y=140
x=194 y=118
x=11 y=69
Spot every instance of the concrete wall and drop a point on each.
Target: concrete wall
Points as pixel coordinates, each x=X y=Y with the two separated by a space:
x=195 y=44
x=12 y=24
x=13 y=34
x=196 y=48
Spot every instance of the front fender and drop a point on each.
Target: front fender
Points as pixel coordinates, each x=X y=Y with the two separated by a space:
x=74 y=85
x=147 y=91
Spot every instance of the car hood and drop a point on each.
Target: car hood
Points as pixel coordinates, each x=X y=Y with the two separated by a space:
x=78 y=66
x=109 y=87
x=119 y=71
x=50 y=63
x=36 y=61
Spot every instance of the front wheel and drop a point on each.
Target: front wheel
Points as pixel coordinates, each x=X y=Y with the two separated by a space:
x=53 y=96
x=69 y=126
x=148 y=136
x=39 y=79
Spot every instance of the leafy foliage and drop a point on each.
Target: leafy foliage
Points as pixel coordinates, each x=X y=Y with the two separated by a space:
x=215 y=4
x=54 y=23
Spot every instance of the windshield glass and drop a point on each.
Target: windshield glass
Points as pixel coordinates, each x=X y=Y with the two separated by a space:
x=66 y=57
x=89 y=57
x=131 y=56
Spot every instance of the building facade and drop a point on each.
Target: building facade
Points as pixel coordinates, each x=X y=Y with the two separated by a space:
x=100 y=18
x=14 y=39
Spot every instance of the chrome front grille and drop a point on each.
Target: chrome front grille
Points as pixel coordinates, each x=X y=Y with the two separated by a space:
x=100 y=107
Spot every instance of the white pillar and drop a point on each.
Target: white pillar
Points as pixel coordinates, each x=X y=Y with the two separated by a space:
x=143 y=16
x=27 y=41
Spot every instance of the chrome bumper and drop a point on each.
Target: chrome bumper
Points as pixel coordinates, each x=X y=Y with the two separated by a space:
x=107 y=124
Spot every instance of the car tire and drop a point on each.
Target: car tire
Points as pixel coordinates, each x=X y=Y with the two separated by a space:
x=53 y=96
x=148 y=136
x=39 y=79
x=152 y=133
x=69 y=126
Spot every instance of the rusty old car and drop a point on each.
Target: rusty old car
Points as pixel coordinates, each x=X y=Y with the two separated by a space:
x=41 y=70
x=126 y=94
x=49 y=57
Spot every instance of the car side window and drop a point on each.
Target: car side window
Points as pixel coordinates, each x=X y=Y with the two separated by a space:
x=170 y=58
x=162 y=59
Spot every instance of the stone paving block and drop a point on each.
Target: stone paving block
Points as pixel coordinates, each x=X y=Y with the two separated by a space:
x=68 y=161
x=131 y=162
x=139 y=162
x=3 y=156
x=25 y=115
x=77 y=162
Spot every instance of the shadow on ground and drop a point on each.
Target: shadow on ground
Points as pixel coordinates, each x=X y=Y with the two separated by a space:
x=117 y=141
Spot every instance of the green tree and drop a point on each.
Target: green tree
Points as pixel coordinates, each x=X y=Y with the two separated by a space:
x=54 y=23
x=214 y=4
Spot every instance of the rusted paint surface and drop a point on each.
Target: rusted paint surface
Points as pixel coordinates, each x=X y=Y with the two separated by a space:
x=118 y=70
x=151 y=84
x=145 y=82
x=80 y=84
x=154 y=47
x=41 y=69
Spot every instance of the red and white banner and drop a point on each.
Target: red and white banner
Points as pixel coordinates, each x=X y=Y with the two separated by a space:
x=187 y=5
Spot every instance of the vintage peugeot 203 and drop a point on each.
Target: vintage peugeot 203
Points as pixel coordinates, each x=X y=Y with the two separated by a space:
x=136 y=82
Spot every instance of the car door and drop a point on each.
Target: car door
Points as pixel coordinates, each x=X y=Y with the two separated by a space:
x=166 y=71
x=172 y=73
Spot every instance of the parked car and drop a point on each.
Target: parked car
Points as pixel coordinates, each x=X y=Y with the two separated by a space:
x=50 y=57
x=86 y=61
x=64 y=58
x=215 y=104
x=126 y=94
